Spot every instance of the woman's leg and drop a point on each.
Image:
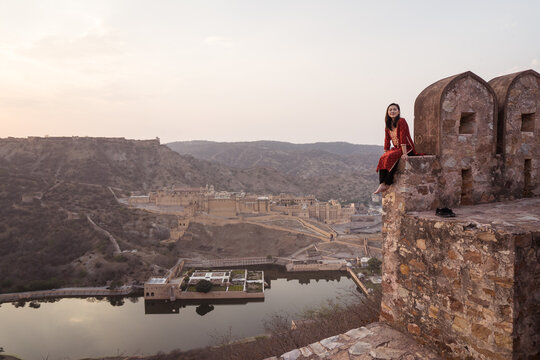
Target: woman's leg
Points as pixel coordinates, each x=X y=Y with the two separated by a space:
x=382 y=175
x=389 y=175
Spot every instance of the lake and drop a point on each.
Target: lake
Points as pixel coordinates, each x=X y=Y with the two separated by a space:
x=74 y=328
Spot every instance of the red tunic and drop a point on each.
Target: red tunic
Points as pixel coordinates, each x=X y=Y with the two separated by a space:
x=391 y=156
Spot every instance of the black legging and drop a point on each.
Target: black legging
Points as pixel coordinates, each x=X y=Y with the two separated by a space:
x=386 y=176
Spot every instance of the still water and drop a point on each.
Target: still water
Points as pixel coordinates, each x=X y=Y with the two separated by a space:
x=78 y=328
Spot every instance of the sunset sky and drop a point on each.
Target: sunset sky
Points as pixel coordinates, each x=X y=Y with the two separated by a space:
x=299 y=71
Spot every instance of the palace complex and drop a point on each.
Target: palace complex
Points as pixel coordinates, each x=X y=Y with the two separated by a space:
x=230 y=204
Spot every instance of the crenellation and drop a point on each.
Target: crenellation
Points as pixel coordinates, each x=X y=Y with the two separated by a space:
x=518 y=140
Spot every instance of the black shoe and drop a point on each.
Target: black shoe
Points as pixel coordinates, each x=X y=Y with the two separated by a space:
x=445 y=212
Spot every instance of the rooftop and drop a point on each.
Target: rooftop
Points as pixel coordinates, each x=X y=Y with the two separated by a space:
x=157 y=281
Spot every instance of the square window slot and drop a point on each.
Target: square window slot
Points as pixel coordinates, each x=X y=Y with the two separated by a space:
x=527 y=122
x=467 y=123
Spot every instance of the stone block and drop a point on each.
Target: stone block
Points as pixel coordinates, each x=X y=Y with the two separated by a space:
x=386 y=353
x=359 y=333
x=486 y=236
x=504 y=341
x=460 y=324
x=491 y=264
x=360 y=348
x=342 y=355
x=404 y=269
x=421 y=244
x=331 y=343
x=413 y=329
x=506 y=310
x=306 y=352
x=456 y=305
x=318 y=349
x=433 y=312
x=487 y=354
x=417 y=266
x=504 y=282
x=480 y=332
x=451 y=274
x=523 y=241
x=473 y=256
x=505 y=326
x=291 y=355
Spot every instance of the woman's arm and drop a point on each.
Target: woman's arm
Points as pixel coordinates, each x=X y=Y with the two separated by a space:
x=386 y=140
x=404 y=136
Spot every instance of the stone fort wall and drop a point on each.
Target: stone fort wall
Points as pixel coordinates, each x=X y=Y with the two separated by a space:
x=470 y=284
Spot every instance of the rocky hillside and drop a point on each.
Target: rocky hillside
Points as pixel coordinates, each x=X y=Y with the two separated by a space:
x=336 y=170
x=128 y=164
x=50 y=186
x=304 y=160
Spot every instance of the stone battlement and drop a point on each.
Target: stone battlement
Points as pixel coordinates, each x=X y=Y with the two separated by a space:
x=469 y=284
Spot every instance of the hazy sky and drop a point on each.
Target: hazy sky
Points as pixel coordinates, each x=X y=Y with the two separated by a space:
x=299 y=71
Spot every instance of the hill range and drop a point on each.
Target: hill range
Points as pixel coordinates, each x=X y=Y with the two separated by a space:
x=337 y=170
x=50 y=186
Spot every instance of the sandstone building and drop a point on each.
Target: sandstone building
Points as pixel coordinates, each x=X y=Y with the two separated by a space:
x=469 y=284
x=226 y=204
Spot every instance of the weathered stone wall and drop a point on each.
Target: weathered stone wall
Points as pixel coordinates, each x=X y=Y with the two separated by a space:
x=470 y=284
x=455 y=119
x=456 y=294
x=519 y=137
x=527 y=295
x=466 y=284
x=222 y=207
x=471 y=149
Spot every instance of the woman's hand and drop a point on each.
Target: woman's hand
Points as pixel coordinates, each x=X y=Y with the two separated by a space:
x=404 y=151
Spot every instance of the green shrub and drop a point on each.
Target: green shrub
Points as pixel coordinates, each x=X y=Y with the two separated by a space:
x=204 y=286
x=374 y=265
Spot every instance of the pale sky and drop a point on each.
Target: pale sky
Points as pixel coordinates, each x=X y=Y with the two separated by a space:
x=298 y=71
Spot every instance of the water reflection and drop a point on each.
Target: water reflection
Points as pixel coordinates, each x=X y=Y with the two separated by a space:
x=173 y=307
x=204 y=309
x=98 y=327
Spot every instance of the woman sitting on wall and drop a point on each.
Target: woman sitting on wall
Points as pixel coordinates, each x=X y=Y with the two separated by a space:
x=396 y=131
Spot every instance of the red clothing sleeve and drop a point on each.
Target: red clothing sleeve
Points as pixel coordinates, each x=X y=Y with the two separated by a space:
x=386 y=139
x=405 y=135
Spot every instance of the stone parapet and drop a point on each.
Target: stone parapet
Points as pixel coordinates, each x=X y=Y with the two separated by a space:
x=374 y=341
x=468 y=284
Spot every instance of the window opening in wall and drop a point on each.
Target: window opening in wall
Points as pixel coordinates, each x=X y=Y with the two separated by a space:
x=527 y=178
x=527 y=122
x=466 y=123
x=152 y=294
x=500 y=132
x=466 y=187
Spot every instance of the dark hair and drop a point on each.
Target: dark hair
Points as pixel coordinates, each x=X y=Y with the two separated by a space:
x=389 y=123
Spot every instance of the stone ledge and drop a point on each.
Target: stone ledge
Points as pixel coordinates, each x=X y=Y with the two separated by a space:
x=374 y=341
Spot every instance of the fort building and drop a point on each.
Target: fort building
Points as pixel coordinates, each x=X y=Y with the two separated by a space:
x=227 y=204
x=469 y=284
